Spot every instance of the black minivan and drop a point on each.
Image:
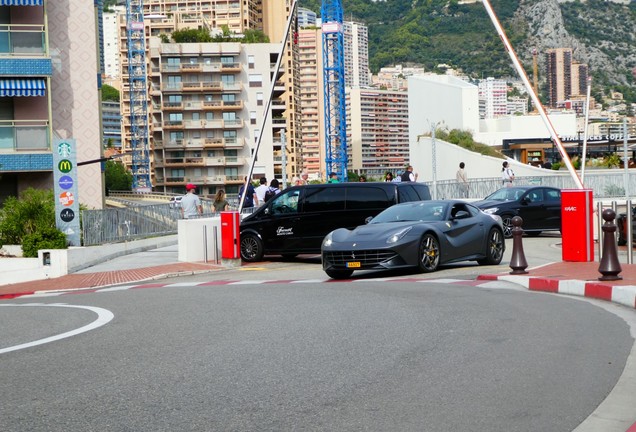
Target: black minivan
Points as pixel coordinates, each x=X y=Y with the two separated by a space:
x=296 y=220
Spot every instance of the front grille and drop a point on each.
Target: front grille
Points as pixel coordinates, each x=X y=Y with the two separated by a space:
x=366 y=258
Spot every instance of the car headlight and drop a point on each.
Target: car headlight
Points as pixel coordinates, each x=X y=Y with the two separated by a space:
x=327 y=241
x=398 y=235
x=491 y=210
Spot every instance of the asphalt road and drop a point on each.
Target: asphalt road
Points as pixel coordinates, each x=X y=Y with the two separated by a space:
x=374 y=356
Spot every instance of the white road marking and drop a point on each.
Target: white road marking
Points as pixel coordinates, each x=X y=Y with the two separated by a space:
x=104 y=316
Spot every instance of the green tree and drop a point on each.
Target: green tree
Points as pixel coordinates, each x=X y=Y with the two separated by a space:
x=110 y=93
x=191 y=35
x=255 y=36
x=33 y=211
x=117 y=177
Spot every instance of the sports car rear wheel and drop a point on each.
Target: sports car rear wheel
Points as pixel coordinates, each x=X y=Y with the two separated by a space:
x=428 y=253
x=251 y=248
x=339 y=274
x=494 y=248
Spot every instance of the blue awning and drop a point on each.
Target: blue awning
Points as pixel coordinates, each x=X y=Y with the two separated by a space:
x=21 y=2
x=22 y=87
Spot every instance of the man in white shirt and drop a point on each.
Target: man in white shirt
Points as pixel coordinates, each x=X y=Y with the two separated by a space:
x=261 y=189
x=191 y=204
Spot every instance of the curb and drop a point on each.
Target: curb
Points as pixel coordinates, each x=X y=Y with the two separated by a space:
x=621 y=294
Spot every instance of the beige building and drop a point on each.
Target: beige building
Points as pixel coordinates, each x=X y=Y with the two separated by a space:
x=162 y=18
x=312 y=101
x=377 y=131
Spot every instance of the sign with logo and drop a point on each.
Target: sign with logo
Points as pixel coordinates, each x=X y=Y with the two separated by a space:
x=65 y=189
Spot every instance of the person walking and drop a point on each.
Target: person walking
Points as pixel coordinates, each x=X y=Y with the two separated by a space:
x=191 y=204
x=261 y=189
x=333 y=178
x=362 y=178
x=462 y=180
x=388 y=177
x=272 y=190
x=408 y=174
x=507 y=175
x=220 y=202
x=304 y=178
x=251 y=199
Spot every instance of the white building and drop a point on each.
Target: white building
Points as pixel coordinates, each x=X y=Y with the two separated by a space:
x=356 y=55
x=494 y=94
x=111 y=42
x=306 y=17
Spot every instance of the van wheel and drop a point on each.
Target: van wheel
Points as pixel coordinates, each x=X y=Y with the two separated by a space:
x=251 y=248
x=339 y=274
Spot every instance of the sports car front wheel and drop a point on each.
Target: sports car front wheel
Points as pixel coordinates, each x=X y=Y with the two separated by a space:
x=494 y=248
x=428 y=253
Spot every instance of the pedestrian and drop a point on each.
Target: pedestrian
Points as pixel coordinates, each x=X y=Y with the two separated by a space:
x=507 y=175
x=362 y=178
x=191 y=204
x=272 y=190
x=261 y=189
x=220 y=202
x=408 y=174
x=296 y=181
x=304 y=177
x=333 y=178
x=462 y=180
x=250 y=199
x=388 y=177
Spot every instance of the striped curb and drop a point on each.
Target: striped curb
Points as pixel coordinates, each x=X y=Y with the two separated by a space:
x=621 y=294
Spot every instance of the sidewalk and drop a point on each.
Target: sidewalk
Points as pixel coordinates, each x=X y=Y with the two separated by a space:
x=575 y=278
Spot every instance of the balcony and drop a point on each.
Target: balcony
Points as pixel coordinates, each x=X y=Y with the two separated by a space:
x=172 y=106
x=184 y=162
x=24 y=135
x=22 y=40
x=172 y=125
x=230 y=67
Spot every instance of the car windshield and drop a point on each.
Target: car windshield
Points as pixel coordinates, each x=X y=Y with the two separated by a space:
x=421 y=211
x=506 y=194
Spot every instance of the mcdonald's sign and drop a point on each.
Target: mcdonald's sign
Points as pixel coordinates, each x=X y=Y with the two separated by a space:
x=65 y=166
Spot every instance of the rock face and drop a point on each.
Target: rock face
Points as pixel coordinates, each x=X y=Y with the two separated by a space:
x=602 y=38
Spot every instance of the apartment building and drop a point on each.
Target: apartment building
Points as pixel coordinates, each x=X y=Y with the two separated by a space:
x=356 y=54
x=163 y=17
x=559 y=75
x=48 y=90
x=208 y=104
x=111 y=124
x=493 y=98
x=377 y=130
x=312 y=101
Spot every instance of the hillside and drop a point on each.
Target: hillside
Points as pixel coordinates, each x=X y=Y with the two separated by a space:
x=433 y=32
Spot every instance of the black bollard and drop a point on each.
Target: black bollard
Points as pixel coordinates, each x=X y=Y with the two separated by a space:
x=518 y=262
x=609 y=266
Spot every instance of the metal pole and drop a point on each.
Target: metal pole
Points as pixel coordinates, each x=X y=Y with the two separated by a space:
x=629 y=233
x=215 y=242
x=205 y=244
x=290 y=20
x=625 y=160
x=599 y=219
x=587 y=117
x=283 y=149
x=535 y=99
x=434 y=151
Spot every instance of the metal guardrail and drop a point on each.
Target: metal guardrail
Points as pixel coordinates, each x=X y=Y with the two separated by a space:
x=134 y=222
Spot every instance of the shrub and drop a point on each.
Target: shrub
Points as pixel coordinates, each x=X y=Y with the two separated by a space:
x=556 y=166
x=46 y=238
x=33 y=211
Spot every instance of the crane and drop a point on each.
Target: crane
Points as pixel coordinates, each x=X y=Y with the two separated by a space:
x=138 y=88
x=336 y=158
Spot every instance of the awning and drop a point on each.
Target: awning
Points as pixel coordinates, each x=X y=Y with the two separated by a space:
x=22 y=87
x=21 y=2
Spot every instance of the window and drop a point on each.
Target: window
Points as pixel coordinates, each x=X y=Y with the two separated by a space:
x=176 y=135
x=227 y=79
x=195 y=116
x=252 y=117
x=286 y=202
x=176 y=117
x=229 y=116
x=174 y=61
x=229 y=98
x=229 y=134
x=256 y=80
x=362 y=198
x=250 y=61
x=325 y=199
x=209 y=116
x=225 y=60
x=175 y=98
x=259 y=98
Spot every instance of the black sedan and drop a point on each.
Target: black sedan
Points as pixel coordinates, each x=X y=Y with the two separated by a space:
x=538 y=206
x=422 y=234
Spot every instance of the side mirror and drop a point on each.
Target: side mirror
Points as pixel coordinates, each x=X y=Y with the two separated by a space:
x=367 y=220
x=462 y=214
